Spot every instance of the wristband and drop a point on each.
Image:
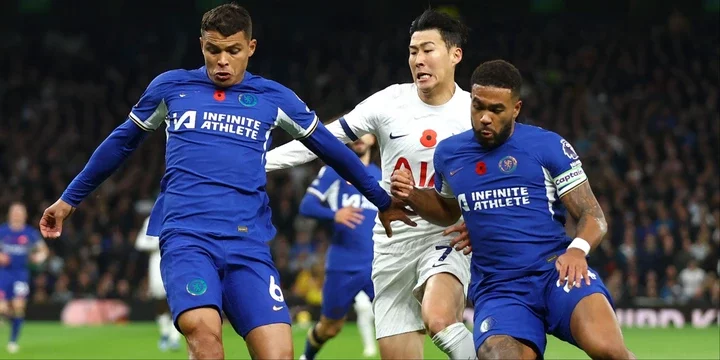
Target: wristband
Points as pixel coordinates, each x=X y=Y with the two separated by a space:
x=580 y=243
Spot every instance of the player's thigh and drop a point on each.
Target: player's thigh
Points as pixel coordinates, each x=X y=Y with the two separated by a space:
x=191 y=279
x=272 y=341
x=498 y=315
x=156 y=286
x=155 y=282
x=396 y=309
x=441 y=258
x=583 y=316
x=252 y=294
x=339 y=291
x=18 y=296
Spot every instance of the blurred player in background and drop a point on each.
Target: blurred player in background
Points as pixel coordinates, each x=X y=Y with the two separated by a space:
x=513 y=184
x=349 y=258
x=169 y=336
x=18 y=244
x=215 y=218
x=420 y=283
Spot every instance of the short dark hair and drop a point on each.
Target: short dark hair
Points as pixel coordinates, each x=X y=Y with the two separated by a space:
x=452 y=31
x=227 y=19
x=498 y=73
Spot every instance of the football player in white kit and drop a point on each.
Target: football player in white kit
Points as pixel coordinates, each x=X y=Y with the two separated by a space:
x=420 y=283
x=169 y=336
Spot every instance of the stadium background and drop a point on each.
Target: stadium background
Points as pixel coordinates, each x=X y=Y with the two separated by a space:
x=634 y=85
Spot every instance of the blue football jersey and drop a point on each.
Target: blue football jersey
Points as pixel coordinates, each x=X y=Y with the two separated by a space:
x=214 y=180
x=510 y=198
x=18 y=245
x=351 y=249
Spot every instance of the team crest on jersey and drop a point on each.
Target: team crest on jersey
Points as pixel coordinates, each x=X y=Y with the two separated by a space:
x=507 y=164
x=22 y=239
x=569 y=150
x=196 y=287
x=248 y=100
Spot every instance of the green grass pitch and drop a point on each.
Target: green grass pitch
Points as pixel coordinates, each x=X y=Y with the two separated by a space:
x=50 y=340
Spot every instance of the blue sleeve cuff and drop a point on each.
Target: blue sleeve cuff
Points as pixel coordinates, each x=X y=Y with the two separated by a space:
x=311 y=206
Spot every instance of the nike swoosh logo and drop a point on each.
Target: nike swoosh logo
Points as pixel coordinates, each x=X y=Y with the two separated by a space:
x=438 y=265
x=455 y=171
x=396 y=136
x=277 y=308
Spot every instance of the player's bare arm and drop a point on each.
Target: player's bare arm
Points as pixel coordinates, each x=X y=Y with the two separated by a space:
x=582 y=205
x=427 y=203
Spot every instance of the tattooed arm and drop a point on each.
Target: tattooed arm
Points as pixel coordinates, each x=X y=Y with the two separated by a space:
x=582 y=205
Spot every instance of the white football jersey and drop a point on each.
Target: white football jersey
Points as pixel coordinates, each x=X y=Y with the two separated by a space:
x=407 y=131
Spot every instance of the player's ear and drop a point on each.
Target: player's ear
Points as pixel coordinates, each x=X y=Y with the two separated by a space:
x=456 y=55
x=516 y=110
x=251 y=47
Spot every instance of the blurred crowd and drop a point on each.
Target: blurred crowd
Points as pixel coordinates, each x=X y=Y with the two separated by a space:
x=638 y=101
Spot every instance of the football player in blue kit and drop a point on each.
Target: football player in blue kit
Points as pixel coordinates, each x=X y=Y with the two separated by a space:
x=216 y=219
x=348 y=264
x=19 y=245
x=513 y=184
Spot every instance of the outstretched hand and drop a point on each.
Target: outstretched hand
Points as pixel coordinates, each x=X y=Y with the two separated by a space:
x=53 y=217
x=396 y=211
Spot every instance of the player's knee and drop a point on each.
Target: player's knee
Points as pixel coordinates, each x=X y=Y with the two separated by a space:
x=504 y=347
x=330 y=329
x=438 y=323
x=19 y=313
x=202 y=329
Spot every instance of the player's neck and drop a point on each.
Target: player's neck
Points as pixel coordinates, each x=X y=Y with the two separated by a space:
x=439 y=95
x=16 y=226
x=365 y=159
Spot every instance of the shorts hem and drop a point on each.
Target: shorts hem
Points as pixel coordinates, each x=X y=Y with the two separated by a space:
x=381 y=335
x=245 y=333
x=176 y=318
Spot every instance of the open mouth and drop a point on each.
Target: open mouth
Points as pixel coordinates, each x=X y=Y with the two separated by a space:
x=423 y=76
x=222 y=75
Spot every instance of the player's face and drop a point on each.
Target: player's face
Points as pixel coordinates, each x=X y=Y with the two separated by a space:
x=362 y=145
x=431 y=62
x=493 y=112
x=17 y=214
x=226 y=58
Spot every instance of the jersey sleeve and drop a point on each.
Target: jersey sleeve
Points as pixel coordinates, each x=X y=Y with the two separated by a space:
x=324 y=184
x=441 y=185
x=563 y=165
x=363 y=119
x=151 y=110
x=294 y=116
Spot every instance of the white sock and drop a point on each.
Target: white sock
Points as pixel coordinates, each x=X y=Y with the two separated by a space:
x=163 y=320
x=366 y=326
x=456 y=341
